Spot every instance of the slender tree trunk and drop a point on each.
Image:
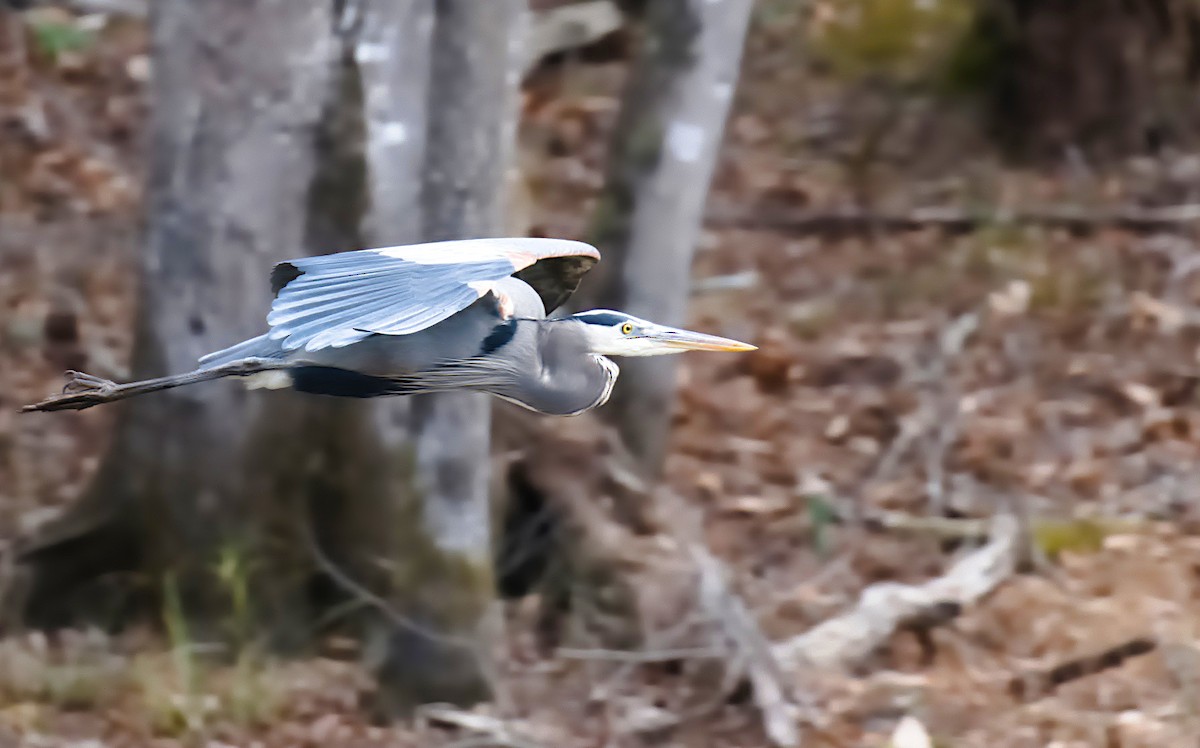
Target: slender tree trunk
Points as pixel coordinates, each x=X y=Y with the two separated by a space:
x=649 y=214
x=442 y=139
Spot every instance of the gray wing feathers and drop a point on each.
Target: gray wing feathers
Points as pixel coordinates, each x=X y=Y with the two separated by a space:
x=260 y=347
x=331 y=301
x=472 y=373
x=336 y=304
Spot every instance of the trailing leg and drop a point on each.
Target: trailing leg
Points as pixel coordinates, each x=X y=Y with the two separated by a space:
x=85 y=390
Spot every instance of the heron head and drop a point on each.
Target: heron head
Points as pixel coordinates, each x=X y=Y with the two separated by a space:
x=612 y=333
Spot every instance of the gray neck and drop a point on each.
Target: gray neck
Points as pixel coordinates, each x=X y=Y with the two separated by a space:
x=569 y=380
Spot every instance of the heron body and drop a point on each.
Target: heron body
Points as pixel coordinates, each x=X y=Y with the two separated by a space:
x=459 y=315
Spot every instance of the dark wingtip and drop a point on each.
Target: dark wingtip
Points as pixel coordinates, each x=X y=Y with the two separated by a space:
x=283 y=274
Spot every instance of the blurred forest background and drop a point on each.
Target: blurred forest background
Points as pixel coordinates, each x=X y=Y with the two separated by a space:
x=949 y=501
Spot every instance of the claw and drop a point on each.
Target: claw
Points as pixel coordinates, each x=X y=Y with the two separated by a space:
x=79 y=383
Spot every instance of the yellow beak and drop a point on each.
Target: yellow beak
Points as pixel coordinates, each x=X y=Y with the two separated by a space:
x=697 y=341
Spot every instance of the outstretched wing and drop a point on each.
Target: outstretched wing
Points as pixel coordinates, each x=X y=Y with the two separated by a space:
x=331 y=301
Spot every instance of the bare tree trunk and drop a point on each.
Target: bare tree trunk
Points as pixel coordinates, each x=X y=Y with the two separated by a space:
x=279 y=127
x=461 y=135
x=649 y=215
x=196 y=472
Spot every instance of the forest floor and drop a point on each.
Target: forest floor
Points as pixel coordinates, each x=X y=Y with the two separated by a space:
x=905 y=372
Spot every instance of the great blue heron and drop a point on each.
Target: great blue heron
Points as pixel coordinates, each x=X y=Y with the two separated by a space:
x=460 y=315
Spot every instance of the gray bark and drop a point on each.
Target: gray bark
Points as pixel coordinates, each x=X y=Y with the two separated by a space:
x=649 y=215
x=392 y=50
x=472 y=121
x=238 y=92
x=285 y=126
x=446 y=154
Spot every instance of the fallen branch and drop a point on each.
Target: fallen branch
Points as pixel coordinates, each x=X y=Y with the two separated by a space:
x=646 y=657
x=942 y=528
x=780 y=708
x=1036 y=684
x=491 y=731
x=956 y=220
x=887 y=607
x=129 y=8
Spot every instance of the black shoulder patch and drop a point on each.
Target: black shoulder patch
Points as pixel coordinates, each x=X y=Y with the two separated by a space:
x=283 y=274
x=329 y=380
x=499 y=337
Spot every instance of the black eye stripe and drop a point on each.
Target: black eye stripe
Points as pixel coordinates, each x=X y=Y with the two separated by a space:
x=607 y=320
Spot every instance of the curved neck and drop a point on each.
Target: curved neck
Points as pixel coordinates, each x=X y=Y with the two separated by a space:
x=569 y=379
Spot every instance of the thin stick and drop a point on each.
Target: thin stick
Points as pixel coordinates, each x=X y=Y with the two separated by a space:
x=85 y=390
x=956 y=220
x=641 y=657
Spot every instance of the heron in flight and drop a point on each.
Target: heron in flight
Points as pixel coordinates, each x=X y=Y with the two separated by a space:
x=457 y=315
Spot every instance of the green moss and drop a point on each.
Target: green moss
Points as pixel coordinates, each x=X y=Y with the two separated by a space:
x=449 y=589
x=1086 y=535
x=899 y=40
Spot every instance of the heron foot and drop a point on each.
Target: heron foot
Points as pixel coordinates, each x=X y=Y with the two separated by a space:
x=80 y=383
x=80 y=391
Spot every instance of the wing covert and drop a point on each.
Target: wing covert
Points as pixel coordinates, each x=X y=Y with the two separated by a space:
x=330 y=301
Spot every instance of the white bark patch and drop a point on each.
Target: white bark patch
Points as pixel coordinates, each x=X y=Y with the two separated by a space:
x=394 y=133
x=369 y=52
x=685 y=141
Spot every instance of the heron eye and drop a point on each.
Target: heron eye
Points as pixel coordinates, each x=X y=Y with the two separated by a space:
x=627 y=328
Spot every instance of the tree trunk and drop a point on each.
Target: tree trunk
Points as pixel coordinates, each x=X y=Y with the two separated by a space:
x=447 y=127
x=1107 y=76
x=649 y=215
x=196 y=473
x=281 y=126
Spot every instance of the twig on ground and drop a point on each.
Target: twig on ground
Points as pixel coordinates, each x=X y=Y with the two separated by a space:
x=639 y=657
x=493 y=731
x=130 y=8
x=887 y=607
x=958 y=220
x=944 y=528
x=367 y=597
x=781 y=710
x=934 y=411
x=1039 y=683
